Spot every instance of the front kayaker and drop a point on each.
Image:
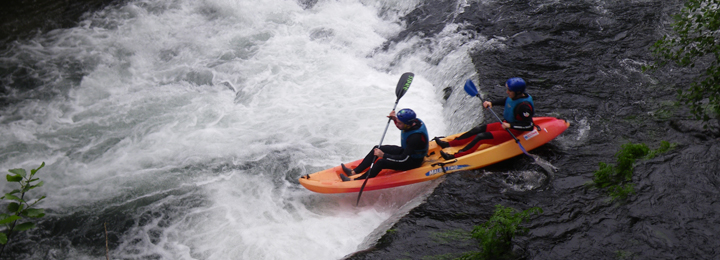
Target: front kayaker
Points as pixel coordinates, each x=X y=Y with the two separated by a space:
x=518 y=114
x=410 y=155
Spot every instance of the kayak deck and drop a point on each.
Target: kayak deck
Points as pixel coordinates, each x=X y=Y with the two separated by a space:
x=328 y=181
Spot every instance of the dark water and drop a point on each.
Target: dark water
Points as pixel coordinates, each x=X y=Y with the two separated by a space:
x=20 y=19
x=583 y=62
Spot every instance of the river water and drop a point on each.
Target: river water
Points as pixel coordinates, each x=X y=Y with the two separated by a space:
x=183 y=126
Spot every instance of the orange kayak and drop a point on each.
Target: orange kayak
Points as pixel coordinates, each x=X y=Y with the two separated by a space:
x=328 y=181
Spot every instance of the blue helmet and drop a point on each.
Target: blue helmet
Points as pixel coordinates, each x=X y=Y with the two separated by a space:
x=406 y=115
x=516 y=84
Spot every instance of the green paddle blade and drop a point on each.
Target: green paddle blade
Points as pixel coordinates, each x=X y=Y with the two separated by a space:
x=404 y=84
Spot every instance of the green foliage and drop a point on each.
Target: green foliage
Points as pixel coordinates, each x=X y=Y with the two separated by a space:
x=616 y=179
x=665 y=146
x=694 y=43
x=621 y=191
x=621 y=254
x=495 y=235
x=450 y=237
x=19 y=208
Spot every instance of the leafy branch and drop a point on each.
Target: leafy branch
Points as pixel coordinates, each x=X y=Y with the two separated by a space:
x=19 y=208
x=695 y=42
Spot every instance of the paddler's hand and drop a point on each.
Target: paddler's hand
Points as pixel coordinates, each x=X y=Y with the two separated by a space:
x=487 y=104
x=379 y=153
x=392 y=115
x=506 y=125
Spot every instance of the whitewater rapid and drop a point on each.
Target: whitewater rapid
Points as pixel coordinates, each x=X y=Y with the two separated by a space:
x=184 y=125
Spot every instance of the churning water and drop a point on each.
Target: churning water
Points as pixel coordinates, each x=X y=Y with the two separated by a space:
x=183 y=125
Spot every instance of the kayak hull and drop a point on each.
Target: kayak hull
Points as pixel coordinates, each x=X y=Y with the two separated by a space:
x=328 y=181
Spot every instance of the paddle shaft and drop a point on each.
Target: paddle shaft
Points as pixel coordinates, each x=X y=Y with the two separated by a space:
x=375 y=157
x=386 y=126
x=402 y=86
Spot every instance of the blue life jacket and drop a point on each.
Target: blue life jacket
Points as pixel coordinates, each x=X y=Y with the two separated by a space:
x=510 y=105
x=417 y=154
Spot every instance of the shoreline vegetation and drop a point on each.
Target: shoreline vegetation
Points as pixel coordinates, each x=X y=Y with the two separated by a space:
x=617 y=179
x=693 y=42
x=19 y=207
x=495 y=235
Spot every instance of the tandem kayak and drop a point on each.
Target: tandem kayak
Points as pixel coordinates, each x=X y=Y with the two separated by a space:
x=328 y=181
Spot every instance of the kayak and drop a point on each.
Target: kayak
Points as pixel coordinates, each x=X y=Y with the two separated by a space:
x=328 y=181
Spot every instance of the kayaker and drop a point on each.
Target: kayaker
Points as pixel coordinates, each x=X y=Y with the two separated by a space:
x=518 y=113
x=410 y=155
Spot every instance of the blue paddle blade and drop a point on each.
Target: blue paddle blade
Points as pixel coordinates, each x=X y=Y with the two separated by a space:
x=470 y=88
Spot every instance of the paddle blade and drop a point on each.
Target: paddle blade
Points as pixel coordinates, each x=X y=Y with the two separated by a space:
x=404 y=84
x=470 y=88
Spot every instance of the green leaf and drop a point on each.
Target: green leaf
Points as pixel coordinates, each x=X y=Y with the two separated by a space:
x=19 y=171
x=13 y=178
x=33 y=186
x=13 y=207
x=9 y=219
x=37 y=169
x=25 y=226
x=38 y=200
x=12 y=197
x=3 y=238
x=35 y=213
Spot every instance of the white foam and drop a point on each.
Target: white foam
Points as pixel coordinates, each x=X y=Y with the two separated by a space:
x=195 y=118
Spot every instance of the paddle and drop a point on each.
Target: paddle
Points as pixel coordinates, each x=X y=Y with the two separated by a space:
x=402 y=87
x=471 y=90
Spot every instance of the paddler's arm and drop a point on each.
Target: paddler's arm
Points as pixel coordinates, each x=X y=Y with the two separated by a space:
x=415 y=142
x=497 y=102
x=394 y=118
x=379 y=153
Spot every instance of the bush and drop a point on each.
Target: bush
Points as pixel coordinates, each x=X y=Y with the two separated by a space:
x=19 y=208
x=694 y=42
x=495 y=235
x=616 y=179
